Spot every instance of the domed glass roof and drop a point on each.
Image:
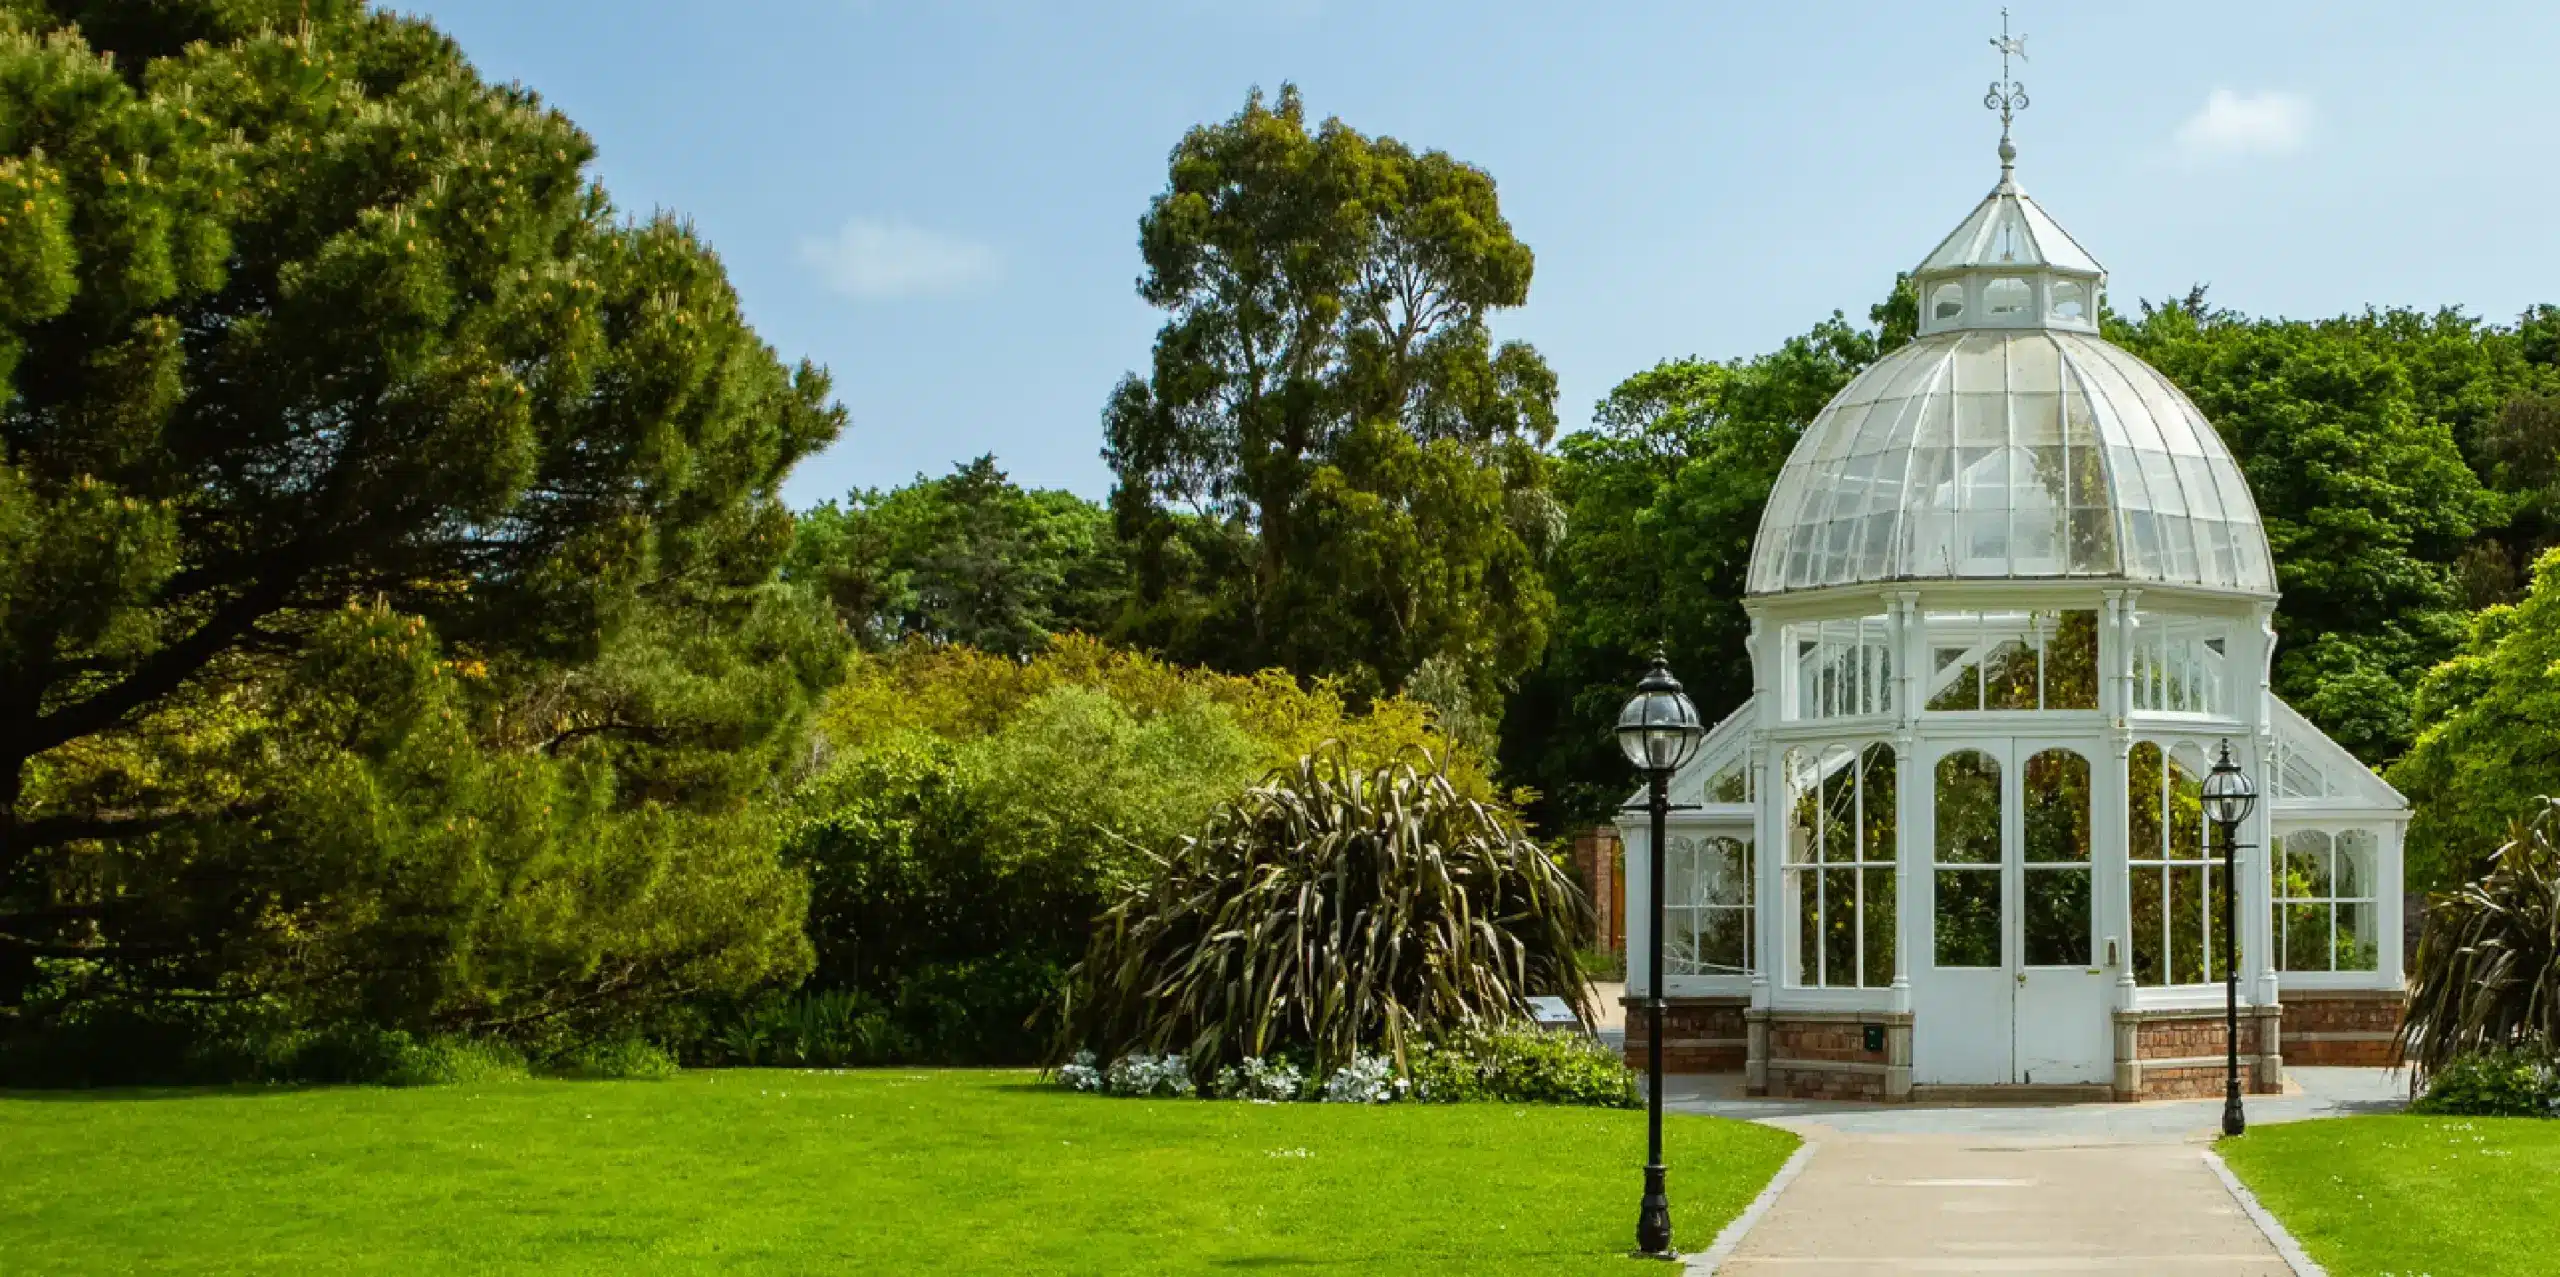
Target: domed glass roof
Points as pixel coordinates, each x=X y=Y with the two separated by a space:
x=2010 y=453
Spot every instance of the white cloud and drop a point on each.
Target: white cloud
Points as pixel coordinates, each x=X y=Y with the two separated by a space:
x=873 y=257
x=2234 y=125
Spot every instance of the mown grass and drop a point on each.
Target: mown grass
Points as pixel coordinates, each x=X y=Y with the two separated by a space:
x=2473 y=1196
x=885 y=1171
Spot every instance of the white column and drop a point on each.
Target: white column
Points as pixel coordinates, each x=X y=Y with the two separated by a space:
x=1912 y=797
x=2257 y=928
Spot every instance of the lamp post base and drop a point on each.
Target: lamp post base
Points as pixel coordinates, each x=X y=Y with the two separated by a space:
x=2234 y=1119
x=1653 y=1223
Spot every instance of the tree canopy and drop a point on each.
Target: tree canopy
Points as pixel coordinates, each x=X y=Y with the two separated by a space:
x=1332 y=467
x=968 y=558
x=387 y=530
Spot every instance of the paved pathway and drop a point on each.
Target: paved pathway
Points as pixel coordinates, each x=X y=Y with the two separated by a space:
x=2077 y=1188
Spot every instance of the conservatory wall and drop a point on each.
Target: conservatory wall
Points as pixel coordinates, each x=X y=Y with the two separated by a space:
x=1986 y=859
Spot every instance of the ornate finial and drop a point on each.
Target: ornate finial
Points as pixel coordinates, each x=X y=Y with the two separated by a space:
x=2007 y=96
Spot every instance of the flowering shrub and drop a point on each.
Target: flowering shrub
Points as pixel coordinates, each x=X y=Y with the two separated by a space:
x=1516 y=1065
x=1269 y=1081
x=1367 y=1079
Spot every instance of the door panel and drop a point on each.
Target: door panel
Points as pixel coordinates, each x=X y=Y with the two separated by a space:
x=2005 y=989
x=1961 y=984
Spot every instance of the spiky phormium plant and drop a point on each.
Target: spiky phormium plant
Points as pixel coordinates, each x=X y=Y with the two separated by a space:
x=2488 y=969
x=1333 y=909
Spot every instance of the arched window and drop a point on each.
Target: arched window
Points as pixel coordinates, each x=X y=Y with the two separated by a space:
x=1842 y=837
x=2070 y=300
x=2170 y=872
x=1947 y=301
x=1706 y=905
x=2006 y=298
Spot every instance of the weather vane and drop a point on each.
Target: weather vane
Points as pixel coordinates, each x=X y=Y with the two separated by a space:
x=2007 y=96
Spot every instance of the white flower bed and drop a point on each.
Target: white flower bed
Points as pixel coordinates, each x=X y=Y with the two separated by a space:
x=1368 y=1079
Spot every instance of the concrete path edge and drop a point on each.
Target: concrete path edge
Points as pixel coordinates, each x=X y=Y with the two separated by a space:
x=1730 y=1240
x=2300 y=1261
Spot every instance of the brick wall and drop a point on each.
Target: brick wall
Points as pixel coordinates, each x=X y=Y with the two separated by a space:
x=1699 y=1035
x=2180 y=1056
x=2341 y=1028
x=2193 y=1038
x=1825 y=1057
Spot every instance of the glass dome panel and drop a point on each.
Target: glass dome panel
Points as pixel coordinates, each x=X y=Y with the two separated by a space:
x=2010 y=454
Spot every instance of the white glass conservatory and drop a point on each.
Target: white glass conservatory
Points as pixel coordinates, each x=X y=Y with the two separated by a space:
x=2009 y=596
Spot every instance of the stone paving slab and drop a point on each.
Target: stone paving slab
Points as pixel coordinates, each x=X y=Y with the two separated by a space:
x=2044 y=1188
x=1869 y=1203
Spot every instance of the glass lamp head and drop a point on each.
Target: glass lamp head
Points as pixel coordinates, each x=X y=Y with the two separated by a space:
x=1659 y=729
x=2228 y=795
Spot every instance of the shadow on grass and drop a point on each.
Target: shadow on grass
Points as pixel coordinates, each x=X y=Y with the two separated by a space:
x=134 y=1094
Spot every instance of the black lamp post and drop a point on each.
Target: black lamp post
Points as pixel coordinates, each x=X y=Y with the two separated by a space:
x=1659 y=730
x=2228 y=797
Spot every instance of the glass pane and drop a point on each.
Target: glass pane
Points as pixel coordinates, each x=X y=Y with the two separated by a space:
x=2358 y=938
x=1808 y=889
x=1968 y=802
x=2186 y=925
x=1878 y=923
x=2186 y=813
x=2150 y=925
x=2355 y=874
x=2071 y=663
x=1880 y=839
x=2056 y=917
x=1679 y=940
x=2057 y=813
x=1958 y=680
x=1968 y=918
x=2303 y=944
x=1725 y=875
x=1724 y=941
x=2142 y=802
x=1839 y=807
x=1732 y=785
x=2306 y=865
x=1840 y=927
x=2009 y=677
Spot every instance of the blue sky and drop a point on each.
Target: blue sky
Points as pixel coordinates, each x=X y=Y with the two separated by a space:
x=939 y=201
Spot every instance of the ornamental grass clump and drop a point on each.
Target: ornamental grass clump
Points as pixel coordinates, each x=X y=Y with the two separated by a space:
x=2488 y=971
x=1332 y=912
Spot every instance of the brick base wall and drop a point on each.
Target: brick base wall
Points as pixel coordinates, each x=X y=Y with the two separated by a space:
x=1699 y=1035
x=2342 y=1027
x=1813 y=1056
x=2179 y=1055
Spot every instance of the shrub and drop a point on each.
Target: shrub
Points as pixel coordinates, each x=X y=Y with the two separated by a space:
x=2494 y=1083
x=979 y=811
x=2488 y=970
x=1366 y=1079
x=450 y=1061
x=623 y=1059
x=1522 y=1065
x=1265 y=1080
x=826 y=1029
x=1333 y=911
x=1146 y=1076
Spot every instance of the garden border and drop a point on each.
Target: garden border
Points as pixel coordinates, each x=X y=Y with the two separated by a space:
x=1730 y=1240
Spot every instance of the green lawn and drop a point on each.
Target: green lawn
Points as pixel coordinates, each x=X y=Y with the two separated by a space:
x=887 y=1172
x=2473 y=1196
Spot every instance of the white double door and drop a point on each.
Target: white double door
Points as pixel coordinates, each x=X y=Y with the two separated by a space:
x=2007 y=987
